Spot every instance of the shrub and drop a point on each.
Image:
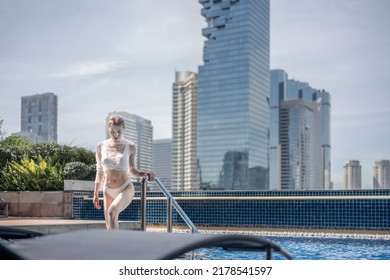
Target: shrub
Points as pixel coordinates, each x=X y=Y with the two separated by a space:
x=13 y=148
x=20 y=160
x=79 y=171
x=62 y=154
x=28 y=175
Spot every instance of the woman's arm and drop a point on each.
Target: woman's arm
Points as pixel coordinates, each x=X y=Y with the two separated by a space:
x=99 y=176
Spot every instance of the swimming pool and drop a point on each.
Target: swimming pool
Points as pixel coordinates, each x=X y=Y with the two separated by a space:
x=308 y=248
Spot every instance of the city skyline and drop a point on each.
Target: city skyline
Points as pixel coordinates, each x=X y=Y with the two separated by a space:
x=112 y=56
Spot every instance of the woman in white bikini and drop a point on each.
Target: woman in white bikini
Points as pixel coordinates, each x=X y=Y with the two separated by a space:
x=115 y=159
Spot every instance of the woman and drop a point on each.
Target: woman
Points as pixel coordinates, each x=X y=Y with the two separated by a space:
x=115 y=159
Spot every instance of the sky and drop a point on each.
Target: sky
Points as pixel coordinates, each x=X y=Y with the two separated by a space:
x=100 y=56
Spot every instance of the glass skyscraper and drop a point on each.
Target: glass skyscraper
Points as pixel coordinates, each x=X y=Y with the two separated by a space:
x=233 y=94
x=300 y=145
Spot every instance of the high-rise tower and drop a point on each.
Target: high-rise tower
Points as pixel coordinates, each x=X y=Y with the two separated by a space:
x=39 y=115
x=299 y=135
x=184 y=132
x=233 y=94
x=352 y=175
x=162 y=165
x=381 y=176
x=300 y=145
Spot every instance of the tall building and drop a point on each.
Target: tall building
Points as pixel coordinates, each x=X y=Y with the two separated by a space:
x=381 y=174
x=323 y=98
x=352 y=175
x=140 y=131
x=299 y=135
x=184 y=132
x=300 y=145
x=39 y=116
x=162 y=160
x=278 y=92
x=233 y=94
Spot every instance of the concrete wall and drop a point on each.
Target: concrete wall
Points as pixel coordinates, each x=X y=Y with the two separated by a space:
x=79 y=185
x=38 y=204
x=45 y=203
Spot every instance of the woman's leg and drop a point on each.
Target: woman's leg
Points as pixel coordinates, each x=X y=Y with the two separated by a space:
x=117 y=205
x=107 y=203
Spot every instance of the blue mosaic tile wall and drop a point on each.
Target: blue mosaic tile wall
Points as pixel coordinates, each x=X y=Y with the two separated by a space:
x=307 y=209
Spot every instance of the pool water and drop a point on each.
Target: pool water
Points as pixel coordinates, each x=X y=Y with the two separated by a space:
x=307 y=248
x=304 y=248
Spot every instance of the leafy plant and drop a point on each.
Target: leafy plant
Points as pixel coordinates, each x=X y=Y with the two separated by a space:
x=22 y=164
x=30 y=175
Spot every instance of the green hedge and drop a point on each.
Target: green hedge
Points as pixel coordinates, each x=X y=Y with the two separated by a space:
x=79 y=171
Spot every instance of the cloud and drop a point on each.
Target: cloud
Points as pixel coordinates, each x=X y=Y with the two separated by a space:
x=90 y=68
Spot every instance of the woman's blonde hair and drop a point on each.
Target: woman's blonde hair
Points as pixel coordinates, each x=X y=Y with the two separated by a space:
x=116 y=120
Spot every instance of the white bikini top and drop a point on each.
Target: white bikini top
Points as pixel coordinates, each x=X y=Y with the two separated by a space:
x=109 y=157
x=113 y=158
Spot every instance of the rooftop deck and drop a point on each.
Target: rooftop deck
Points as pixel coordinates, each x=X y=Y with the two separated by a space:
x=53 y=225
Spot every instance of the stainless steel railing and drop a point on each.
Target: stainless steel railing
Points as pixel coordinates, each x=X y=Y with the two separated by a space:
x=170 y=202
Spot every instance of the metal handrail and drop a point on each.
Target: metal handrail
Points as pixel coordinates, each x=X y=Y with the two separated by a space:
x=171 y=202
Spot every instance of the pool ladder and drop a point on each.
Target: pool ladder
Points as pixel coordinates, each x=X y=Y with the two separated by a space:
x=170 y=202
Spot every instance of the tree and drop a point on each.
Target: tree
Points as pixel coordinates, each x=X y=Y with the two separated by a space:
x=13 y=148
x=15 y=141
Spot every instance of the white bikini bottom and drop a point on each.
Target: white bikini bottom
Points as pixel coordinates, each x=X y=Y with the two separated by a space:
x=115 y=192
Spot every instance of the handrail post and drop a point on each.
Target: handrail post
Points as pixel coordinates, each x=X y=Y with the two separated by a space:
x=176 y=205
x=169 y=214
x=143 y=204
